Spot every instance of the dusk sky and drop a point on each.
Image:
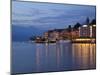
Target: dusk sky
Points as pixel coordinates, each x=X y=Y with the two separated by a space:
x=33 y=18
x=47 y=15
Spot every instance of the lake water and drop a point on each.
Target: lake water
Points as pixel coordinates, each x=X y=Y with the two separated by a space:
x=33 y=57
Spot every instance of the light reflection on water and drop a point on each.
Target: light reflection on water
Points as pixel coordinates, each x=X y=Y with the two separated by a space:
x=31 y=57
x=84 y=55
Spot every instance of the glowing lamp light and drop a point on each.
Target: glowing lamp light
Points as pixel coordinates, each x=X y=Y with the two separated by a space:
x=84 y=25
x=94 y=25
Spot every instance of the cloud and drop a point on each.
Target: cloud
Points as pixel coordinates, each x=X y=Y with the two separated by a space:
x=49 y=15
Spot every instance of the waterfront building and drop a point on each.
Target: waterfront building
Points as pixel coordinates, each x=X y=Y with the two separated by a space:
x=46 y=35
x=86 y=31
x=53 y=34
x=93 y=31
x=75 y=33
x=65 y=34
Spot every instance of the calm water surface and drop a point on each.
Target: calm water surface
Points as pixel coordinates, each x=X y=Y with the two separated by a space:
x=31 y=57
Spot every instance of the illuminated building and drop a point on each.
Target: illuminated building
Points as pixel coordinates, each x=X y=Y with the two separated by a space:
x=84 y=31
x=87 y=31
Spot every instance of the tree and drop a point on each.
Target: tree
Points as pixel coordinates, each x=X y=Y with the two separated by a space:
x=93 y=21
x=87 y=21
x=69 y=28
x=77 y=25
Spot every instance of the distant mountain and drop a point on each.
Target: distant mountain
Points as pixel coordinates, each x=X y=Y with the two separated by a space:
x=20 y=33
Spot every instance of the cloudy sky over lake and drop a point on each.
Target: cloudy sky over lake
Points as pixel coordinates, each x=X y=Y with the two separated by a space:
x=47 y=15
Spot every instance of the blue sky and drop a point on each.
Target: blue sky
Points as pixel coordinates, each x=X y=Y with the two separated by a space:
x=47 y=15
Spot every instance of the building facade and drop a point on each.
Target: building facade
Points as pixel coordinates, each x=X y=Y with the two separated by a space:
x=86 y=31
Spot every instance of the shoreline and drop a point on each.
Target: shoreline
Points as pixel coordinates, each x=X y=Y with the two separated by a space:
x=78 y=40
